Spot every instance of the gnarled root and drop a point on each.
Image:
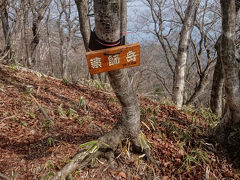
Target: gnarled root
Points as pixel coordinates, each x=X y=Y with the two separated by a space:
x=80 y=160
x=113 y=139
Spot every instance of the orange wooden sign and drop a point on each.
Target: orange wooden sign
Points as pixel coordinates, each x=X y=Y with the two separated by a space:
x=113 y=58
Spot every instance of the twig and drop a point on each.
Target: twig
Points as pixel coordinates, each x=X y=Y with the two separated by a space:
x=41 y=108
x=1 y=120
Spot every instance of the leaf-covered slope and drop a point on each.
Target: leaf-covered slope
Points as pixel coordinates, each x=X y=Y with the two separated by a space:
x=44 y=120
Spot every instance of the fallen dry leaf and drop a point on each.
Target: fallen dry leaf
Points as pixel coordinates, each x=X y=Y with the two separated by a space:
x=123 y=175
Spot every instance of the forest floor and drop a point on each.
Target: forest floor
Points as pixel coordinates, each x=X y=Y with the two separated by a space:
x=34 y=146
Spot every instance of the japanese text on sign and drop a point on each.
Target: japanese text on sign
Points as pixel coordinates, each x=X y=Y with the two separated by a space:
x=113 y=58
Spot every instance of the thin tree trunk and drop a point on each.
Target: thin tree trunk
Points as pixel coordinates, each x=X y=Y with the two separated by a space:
x=49 y=44
x=6 y=29
x=180 y=68
x=200 y=88
x=34 y=42
x=216 y=100
x=25 y=30
x=82 y=6
x=229 y=63
x=123 y=13
x=61 y=48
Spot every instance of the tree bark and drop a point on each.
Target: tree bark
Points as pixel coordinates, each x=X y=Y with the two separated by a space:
x=180 y=68
x=82 y=6
x=200 y=87
x=216 y=100
x=6 y=28
x=229 y=63
x=49 y=44
x=37 y=14
x=123 y=13
x=107 y=22
x=85 y=28
x=25 y=10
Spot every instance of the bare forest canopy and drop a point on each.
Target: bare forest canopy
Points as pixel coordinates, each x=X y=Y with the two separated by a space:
x=156 y=25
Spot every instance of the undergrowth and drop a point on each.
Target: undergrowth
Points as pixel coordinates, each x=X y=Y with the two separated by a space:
x=190 y=133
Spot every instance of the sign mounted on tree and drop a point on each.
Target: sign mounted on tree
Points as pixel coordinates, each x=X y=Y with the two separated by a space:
x=113 y=58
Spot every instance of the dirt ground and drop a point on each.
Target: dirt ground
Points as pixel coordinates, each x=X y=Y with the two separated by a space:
x=34 y=146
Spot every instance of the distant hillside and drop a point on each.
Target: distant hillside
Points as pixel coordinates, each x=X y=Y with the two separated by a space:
x=43 y=121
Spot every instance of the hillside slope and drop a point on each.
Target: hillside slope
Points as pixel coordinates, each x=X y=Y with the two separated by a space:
x=44 y=120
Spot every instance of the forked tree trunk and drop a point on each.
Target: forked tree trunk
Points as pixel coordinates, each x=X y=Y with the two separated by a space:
x=107 y=22
x=216 y=100
x=230 y=64
x=180 y=68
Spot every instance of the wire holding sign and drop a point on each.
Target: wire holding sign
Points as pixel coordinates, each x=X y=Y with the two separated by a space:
x=113 y=58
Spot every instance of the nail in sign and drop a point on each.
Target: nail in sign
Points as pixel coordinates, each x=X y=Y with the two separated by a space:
x=113 y=58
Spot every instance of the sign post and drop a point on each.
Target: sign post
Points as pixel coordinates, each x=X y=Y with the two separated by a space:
x=113 y=58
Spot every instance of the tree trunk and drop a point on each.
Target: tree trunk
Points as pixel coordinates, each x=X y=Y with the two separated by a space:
x=35 y=41
x=204 y=79
x=216 y=101
x=25 y=30
x=179 y=79
x=107 y=22
x=61 y=47
x=49 y=44
x=123 y=13
x=230 y=64
x=6 y=29
x=37 y=15
x=82 y=6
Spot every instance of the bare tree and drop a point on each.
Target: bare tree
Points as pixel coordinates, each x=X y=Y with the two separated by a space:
x=107 y=21
x=180 y=68
x=201 y=55
x=67 y=28
x=37 y=9
x=230 y=64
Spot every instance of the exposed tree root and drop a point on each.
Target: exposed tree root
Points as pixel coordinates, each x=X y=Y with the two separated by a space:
x=79 y=161
x=113 y=139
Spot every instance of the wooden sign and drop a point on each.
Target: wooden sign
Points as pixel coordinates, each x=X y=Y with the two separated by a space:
x=113 y=58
